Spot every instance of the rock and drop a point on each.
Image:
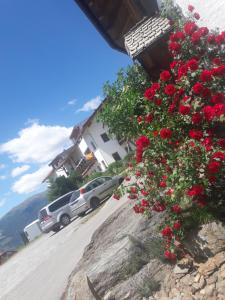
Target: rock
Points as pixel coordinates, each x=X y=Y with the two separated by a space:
x=209 y=290
x=197 y=277
x=179 y=270
x=127 y=296
x=207 y=241
x=80 y=285
x=222 y=274
x=212 y=264
x=109 y=296
x=199 y=285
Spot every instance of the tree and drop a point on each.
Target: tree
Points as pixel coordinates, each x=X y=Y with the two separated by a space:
x=62 y=185
x=124 y=101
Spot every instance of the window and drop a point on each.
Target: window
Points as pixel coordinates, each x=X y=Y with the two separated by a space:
x=75 y=195
x=105 y=137
x=60 y=203
x=93 y=146
x=104 y=164
x=116 y=156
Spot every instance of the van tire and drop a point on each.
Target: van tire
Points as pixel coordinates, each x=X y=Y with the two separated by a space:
x=65 y=220
x=121 y=181
x=56 y=228
x=94 y=203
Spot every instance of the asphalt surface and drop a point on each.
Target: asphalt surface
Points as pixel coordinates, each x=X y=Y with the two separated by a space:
x=40 y=271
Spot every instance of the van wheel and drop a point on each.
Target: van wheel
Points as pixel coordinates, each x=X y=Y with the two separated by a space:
x=95 y=203
x=56 y=229
x=65 y=220
x=121 y=181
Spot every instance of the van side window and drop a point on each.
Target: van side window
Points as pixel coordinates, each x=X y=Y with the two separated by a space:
x=60 y=203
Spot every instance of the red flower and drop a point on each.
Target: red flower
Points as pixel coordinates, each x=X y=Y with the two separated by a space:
x=198 y=88
x=218 y=155
x=208 y=112
x=217 y=98
x=196 y=118
x=195 y=37
x=191 y=8
x=169 y=192
x=177 y=225
x=133 y=190
x=165 y=76
x=127 y=178
x=145 y=203
x=195 y=190
x=155 y=86
x=174 y=46
x=139 y=119
x=190 y=27
x=162 y=184
x=158 y=102
x=170 y=90
x=195 y=134
x=204 y=31
x=201 y=203
x=158 y=207
x=184 y=109
x=214 y=167
x=216 y=61
x=176 y=209
x=193 y=64
x=138 y=209
x=197 y=16
x=182 y=71
x=149 y=93
x=211 y=39
x=165 y=133
x=221 y=143
x=138 y=173
x=206 y=76
x=169 y=255
x=167 y=231
x=171 y=108
x=149 y=118
x=115 y=196
x=212 y=179
x=144 y=193
x=207 y=143
x=143 y=142
x=206 y=93
x=174 y=64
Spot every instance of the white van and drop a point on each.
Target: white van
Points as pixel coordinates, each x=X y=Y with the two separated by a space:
x=33 y=230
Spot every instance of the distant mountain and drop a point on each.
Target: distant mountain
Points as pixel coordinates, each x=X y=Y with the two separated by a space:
x=13 y=223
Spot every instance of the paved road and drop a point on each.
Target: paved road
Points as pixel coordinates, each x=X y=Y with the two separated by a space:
x=40 y=271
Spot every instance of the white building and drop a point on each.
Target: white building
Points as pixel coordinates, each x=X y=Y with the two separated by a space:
x=211 y=11
x=93 y=137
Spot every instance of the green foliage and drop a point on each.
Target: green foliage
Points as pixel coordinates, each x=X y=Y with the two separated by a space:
x=124 y=102
x=63 y=185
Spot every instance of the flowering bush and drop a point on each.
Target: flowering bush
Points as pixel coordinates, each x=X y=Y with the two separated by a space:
x=180 y=154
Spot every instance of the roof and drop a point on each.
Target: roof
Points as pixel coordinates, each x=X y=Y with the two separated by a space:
x=63 y=156
x=79 y=129
x=145 y=33
x=114 y=18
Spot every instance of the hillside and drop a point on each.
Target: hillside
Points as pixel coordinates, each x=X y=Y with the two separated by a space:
x=17 y=218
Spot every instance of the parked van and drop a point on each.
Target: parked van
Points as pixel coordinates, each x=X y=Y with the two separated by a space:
x=33 y=230
x=56 y=214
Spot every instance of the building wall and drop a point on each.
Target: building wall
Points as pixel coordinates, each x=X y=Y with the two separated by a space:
x=212 y=12
x=104 y=150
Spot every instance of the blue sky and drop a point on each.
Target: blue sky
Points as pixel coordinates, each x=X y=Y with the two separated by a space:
x=53 y=64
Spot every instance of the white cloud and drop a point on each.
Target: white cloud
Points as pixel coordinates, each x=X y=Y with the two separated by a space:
x=19 y=170
x=30 y=182
x=91 y=104
x=31 y=121
x=37 y=143
x=2 y=166
x=2 y=202
x=72 y=102
x=2 y=177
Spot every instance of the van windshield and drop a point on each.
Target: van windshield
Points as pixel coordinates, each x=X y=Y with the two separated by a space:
x=75 y=195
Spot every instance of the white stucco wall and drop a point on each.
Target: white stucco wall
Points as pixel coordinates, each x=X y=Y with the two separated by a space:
x=104 y=150
x=212 y=12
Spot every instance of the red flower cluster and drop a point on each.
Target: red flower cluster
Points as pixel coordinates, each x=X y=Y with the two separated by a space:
x=141 y=143
x=165 y=133
x=195 y=190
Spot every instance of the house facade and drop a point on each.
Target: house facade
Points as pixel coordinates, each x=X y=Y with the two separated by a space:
x=93 y=137
x=211 y=11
